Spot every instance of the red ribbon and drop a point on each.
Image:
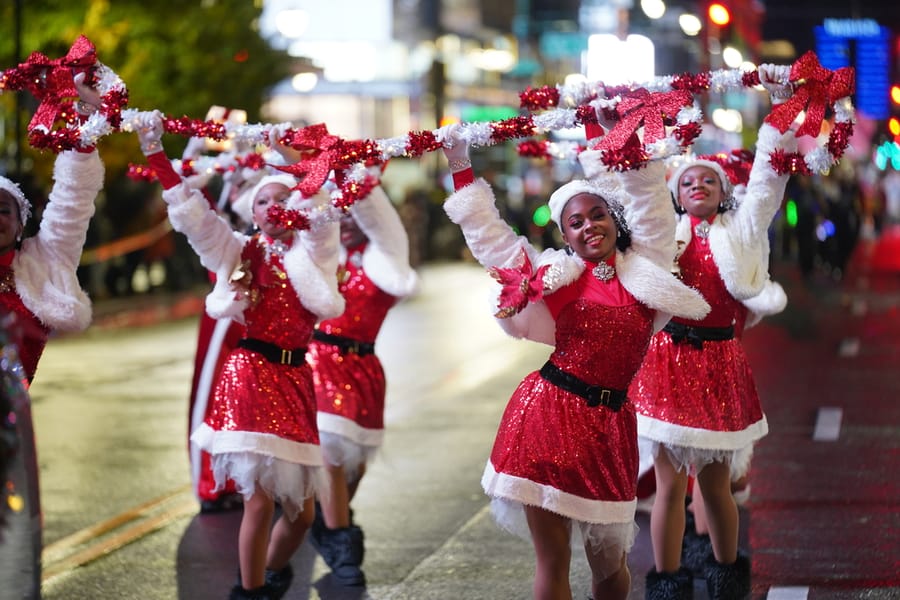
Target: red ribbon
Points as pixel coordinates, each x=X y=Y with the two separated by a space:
x=321 y=150
x=51 y=81
x=650 y=109
x=817 y=89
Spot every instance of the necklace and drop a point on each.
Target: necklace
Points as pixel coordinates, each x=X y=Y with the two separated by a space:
x=604 y=271
x=701 y=230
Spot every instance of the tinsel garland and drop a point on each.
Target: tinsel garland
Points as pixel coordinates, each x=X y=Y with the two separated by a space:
x=650 y=106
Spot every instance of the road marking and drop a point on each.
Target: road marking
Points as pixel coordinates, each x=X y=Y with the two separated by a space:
x=107 y=536
x=828 y=424
x=849 y=347
x=787 y=593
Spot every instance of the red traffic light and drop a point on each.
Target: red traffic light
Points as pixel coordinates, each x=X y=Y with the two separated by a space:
x=719 y=14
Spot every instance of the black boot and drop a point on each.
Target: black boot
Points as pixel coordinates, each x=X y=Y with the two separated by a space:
x=669 y=586
x=278 y=582
x=342 y=550
x=239 y=593
x=728 y=582
x=695 y=547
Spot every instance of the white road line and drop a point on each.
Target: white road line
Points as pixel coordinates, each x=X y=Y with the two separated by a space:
x=828 y=424
x=787 y=593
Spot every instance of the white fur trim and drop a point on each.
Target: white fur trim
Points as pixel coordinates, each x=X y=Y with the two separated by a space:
x=45 y=266
x=771 y=301
x=350 y=429
x=524 y=491
x=675 y=178
x=692 y=437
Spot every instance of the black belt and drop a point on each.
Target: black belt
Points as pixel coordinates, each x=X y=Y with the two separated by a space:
x=594 y=394
x=345 y=344
x=697 y=335
x=273 y=353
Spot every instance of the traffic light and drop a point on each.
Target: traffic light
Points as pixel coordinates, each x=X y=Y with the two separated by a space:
x=719 y=14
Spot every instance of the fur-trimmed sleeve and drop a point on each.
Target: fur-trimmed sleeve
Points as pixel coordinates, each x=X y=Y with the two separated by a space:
x=765 y=187
x=386 y=259
x=211 y=236
x=650 y=214
x=45 y=266
x=491 y=240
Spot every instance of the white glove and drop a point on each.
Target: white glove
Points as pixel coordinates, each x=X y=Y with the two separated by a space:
x=456 y=149
x=776 y=80
x=89 y=99
x=288 y=154
x=149 y=128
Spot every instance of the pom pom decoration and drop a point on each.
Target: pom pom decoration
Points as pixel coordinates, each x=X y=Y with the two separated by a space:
x=285 y=218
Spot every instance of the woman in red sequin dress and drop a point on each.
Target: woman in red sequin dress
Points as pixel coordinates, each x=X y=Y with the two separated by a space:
x=564 y=463
x=38 y=274
x=261 y=431
x=698 y=409
x=348 y=376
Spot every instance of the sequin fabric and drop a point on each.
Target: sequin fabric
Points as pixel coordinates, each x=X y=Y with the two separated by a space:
x=552 y=449
x=707 y=394
x=254 y=395
x=27 y=332
x=348 y=385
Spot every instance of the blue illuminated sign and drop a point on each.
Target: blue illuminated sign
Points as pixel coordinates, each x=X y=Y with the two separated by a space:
x=864 y=45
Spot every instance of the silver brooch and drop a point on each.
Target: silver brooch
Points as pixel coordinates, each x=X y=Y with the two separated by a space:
x=604 y=271
x=701 y=230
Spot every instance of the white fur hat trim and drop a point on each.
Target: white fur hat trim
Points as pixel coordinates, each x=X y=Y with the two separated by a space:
x=286 y=180
x=727 y=187
x=605 y=186
x=24 y=205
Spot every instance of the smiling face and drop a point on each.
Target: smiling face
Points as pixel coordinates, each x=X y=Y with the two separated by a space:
x=11 y=226
x=351 y=235
x=588 y=227
x=272 y=194
x=700 y=191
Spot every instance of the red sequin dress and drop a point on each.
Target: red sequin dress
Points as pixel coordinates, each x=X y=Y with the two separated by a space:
x=25 y=330
x=554 y=451
x=697 y=398
x=350 y=387
x=262 y=419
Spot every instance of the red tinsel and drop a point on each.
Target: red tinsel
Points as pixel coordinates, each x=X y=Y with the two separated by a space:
x=687 y=133
x=141 y=173
x=287 y=219
x=533 y=148
x=189 y=127
x=353 y=191
x=421 y=142
x=540 y=98
x=515 y=127
x=585 y=114
x=252 y=160
x=839 y=139
x=788 y=162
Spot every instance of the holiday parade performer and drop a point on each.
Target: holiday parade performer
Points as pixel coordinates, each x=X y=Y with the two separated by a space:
x=38 y=280
x=564 y=462
x=261 y=432
x=349 y=379
x=698 y=409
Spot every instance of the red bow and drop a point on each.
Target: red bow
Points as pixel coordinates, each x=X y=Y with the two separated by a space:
x=520 y=286
x=321 y=151
x=651 y=109
x=50 y=81
x=818 y=88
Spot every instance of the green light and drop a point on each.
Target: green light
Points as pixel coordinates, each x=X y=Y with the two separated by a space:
x=541 y=215
x=790 y=213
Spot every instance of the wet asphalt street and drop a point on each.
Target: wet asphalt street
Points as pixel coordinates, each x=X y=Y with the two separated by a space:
x=110 y=411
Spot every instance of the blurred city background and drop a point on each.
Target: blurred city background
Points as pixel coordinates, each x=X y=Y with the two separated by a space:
x=373 y=69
